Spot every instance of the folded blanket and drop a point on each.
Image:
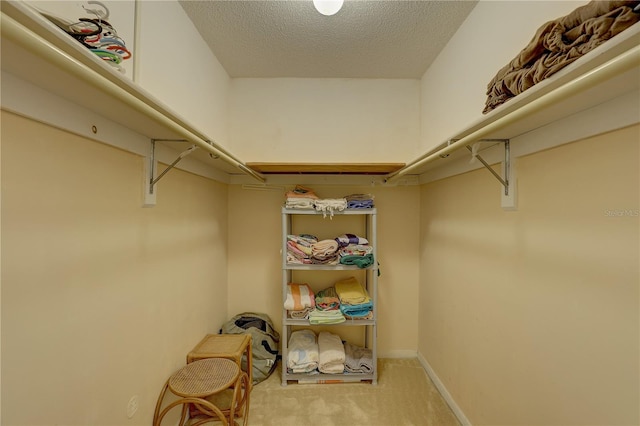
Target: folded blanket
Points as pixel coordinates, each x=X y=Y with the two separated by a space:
x=303 y=354
x=330 y=353
x=299 y=297
x=358 y=359
x=327 y=300
x=558 y=43
x=350 y=291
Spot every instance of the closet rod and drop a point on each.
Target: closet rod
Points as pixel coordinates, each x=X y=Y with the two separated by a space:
x=621 y=63
x=24 y=37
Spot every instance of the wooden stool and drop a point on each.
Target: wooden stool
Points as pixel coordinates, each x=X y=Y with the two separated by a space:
x=230 y=346
x=201 y=379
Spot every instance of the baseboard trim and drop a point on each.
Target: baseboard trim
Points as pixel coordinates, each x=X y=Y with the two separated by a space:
x=443 y=391
x=400 y=353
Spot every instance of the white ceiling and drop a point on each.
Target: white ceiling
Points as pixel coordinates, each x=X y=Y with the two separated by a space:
x=365 y=39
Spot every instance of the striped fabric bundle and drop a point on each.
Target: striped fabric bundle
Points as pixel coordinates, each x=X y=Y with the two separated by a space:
x=299 y=297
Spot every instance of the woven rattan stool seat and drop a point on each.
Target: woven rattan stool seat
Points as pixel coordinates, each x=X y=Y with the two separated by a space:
x=204 y=377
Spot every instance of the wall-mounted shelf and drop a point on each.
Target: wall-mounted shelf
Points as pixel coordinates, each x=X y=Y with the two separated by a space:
x=609 y=72
x=38 y=52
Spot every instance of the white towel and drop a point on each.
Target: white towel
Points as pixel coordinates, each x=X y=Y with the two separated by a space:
x=330 y=205
x=331 y=353
x=302 y=356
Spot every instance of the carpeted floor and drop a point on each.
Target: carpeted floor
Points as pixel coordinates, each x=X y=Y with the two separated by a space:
x=404 y=396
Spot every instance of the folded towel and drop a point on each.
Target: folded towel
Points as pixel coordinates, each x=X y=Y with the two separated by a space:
x=357 y=359
x=324 y=249
x=351 y=292
x=301 y=192
x=299 y=297
x=303 y=354
x=327 y=300
x=359 y=201
x=330 y=205
x=360 y=261
x=358 y=197
x=301 y=314
x=366 y=204
x=353 y=312
x=318 y=316
x=299 y=203
x=330 y=353
x=346 y=239
x=356 y=249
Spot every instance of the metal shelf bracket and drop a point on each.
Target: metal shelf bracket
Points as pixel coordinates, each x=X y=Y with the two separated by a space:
x=150 y=165
x=507 y=180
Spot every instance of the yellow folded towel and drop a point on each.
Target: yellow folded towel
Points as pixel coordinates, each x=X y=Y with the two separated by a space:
x=350 y=291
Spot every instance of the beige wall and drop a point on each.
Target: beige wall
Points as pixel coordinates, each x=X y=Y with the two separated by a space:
x=531 y=316
x=324 y=119
x=453 y=88
x=255 y=263
x=101 y=299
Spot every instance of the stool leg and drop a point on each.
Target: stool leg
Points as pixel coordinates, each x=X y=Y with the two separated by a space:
x=185 y=402
x=156 y=422
x=240 y=400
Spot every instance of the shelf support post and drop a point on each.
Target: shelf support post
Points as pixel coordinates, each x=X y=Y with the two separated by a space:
x=150 y=165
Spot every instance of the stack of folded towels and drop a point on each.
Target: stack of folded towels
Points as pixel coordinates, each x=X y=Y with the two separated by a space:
x=299 y=301
x=359 y=201
x=326 y=353
x=300 y=198
x=307 y=249
x=355 y=250
x=354 y=300
x=299 y=248
x=327 y=309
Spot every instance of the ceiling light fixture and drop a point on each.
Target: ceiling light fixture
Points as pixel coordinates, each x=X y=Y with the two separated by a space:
x=328 y=7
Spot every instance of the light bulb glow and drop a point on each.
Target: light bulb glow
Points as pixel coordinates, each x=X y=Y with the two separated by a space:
x=328 y=7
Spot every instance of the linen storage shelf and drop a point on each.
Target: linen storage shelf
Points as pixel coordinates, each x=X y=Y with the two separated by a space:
x=368 y=278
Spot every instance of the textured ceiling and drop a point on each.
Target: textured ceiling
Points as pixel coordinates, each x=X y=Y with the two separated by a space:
x=365 y=39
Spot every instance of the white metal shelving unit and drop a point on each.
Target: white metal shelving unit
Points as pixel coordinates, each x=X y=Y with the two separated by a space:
x=371 y=284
